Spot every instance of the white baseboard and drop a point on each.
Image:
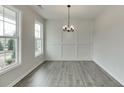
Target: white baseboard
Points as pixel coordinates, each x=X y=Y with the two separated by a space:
x=25 y=74
x=67 y=60
x=109 y=74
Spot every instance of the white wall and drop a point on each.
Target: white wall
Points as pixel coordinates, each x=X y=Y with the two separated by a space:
x=69 y=45
x=28 y=59
x=109 y=41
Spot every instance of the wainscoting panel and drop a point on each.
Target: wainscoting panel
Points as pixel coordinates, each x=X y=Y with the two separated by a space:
x=69 y=45
x=68 y=52
x=83 y=52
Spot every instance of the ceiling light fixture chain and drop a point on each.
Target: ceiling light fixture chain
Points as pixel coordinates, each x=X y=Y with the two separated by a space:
x=69 y=15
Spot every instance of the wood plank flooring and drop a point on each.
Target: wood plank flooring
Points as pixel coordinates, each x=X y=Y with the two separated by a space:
x=68 y=74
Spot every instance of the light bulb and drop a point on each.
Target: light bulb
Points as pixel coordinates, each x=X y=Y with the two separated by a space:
x=72 y=28
x=65 y=28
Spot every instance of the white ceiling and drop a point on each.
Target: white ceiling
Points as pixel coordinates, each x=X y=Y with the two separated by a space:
x=77 y=11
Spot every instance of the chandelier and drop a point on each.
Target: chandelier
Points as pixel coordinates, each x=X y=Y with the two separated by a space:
x=68 y=27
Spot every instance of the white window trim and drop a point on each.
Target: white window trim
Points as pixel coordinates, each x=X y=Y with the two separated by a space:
x=42 y=36
x=18 y=28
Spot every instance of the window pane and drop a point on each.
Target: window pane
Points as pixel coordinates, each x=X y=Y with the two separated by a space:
x=37 y=47
x=1 y=13
x=2 y=60
x=2 y=44
x=1 y=28
x=10 y=16
x=37 y=34
x=37 y=31
x=10 y=29
x=9 y=58
x=42 y=31
x=41 y=45
x=10 y=44
x=10 y=51
x=37 y=27
x=2 y=57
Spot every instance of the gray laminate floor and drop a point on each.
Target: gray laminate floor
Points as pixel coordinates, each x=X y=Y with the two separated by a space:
x=68 y=74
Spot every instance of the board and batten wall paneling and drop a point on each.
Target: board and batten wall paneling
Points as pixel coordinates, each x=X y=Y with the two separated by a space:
x=69 y=45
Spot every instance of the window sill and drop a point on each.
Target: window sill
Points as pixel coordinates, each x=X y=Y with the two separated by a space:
x=9 y=68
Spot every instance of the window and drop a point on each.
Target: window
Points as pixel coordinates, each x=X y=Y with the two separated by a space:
x=9 y=37
x=38 y=38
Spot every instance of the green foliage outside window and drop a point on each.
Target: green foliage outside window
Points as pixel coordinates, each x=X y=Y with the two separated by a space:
x=11 y=44
x=1 y=47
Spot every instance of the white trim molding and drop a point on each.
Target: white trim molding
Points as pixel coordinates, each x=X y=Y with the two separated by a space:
x=25 y=74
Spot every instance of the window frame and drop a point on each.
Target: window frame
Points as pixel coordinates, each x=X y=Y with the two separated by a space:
x=17 y=37
x=41 y=38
